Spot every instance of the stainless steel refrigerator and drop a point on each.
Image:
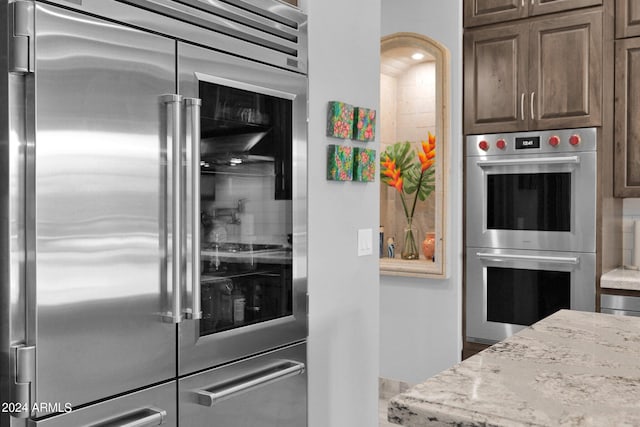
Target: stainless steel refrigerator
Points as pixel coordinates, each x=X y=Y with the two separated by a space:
x=153 y=213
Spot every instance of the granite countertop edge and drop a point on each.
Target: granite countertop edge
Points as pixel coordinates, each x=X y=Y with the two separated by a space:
x=621 y=278
x=549 y=374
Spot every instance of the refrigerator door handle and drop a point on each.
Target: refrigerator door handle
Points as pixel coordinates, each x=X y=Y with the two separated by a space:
x=217 y=393
x=145 y=418
x=172 y=104
x=193 y=150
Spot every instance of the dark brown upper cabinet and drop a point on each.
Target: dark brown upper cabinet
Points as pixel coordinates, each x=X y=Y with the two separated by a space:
x=627 y=111
x=495 y=78
x=627 y=18
x=483 y=12
x=534 y=74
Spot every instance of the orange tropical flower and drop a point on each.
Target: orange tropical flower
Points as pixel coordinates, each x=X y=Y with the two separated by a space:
x=428 y=155
x=399 y=170
x=390 y=170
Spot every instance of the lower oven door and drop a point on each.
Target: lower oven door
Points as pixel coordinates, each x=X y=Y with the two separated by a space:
x=508 y=290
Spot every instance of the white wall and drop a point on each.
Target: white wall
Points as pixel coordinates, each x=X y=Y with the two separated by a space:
x=420 y=320
x=344 y=63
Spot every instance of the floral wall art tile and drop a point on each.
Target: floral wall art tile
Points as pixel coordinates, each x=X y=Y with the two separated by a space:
x=364 y=124
x=340 y=120
x=364 y=160
x=339 y=163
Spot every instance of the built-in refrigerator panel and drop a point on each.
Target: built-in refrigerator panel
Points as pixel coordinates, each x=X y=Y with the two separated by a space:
x=100 y=217
x=263 y=391
x=110 y=299
x=251 y=223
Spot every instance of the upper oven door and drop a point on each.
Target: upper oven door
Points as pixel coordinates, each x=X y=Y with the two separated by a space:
x=542 y=200
x=508 y=290
x=245 y=208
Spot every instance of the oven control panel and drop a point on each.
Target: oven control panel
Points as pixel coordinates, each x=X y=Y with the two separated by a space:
x=548 y=141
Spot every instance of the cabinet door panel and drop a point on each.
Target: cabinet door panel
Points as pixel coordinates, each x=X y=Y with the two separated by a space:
x=566 y=71
x=627 y=18
x=627 y=111
x=481 y=12
x=495 y=79
x=541 y=7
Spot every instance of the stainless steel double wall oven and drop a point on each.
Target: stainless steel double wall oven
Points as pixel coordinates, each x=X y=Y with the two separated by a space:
x=153 y=160
x=530 y=228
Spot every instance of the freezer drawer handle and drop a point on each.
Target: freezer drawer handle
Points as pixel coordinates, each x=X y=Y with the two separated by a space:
x=216 y=394
x=145 y=418
x=511 y=257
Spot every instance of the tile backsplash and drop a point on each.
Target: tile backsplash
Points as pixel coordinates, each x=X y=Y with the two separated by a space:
x=630 y=214
x=262 y=218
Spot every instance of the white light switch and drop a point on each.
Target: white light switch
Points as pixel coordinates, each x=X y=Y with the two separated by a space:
x=365 y=242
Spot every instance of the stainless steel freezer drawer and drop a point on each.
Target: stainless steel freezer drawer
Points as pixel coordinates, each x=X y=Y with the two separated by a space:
x=620 y=304
x=269 y=390
x=149 y=407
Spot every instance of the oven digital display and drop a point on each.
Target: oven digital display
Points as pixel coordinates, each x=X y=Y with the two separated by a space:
x=525 y=143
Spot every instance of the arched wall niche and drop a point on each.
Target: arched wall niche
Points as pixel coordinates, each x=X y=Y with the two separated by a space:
x=415 y=98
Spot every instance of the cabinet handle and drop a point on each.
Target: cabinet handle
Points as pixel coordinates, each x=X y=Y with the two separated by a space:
x=522 y=104
x=533 y=94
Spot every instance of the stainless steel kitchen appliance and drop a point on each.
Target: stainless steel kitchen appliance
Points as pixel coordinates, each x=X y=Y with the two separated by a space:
x=530 y=228
x=153 y=212
x=622 y=305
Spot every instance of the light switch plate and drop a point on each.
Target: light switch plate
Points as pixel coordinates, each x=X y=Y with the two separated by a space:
x=365 y=241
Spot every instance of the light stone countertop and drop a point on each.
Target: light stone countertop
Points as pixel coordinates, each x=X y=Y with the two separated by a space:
x=571 y=369
x=621 y=278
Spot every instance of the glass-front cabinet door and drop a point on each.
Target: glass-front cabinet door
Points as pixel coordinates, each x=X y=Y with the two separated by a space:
x=246 y=221
x=252 y=208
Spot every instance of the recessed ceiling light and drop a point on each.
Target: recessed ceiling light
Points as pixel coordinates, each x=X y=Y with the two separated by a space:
x=417 y=56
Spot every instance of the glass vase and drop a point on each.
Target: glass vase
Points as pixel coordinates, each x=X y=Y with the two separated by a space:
x=409 y=245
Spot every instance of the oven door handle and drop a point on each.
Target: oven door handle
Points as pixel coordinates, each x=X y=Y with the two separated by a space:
x=534 y=161
x=538 y=258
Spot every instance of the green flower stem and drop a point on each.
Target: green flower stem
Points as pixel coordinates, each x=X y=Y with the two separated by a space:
x=404 y=206
x=415 y=199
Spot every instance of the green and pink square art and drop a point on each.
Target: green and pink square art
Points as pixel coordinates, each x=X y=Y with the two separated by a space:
x=340 y=120
x=339 y=163
x=364 y=164
x=364 y=124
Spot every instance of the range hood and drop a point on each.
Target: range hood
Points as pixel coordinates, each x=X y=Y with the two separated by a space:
x=230 y=143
